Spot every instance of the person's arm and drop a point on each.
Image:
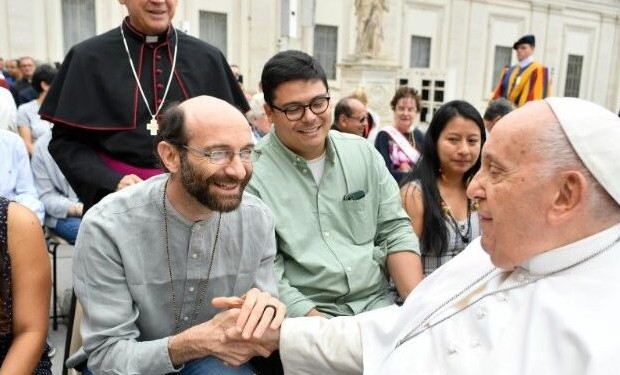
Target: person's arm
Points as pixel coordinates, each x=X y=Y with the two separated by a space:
x=414 y=206
x=405 y=268
x=30 y=277
x=321 y=346
x=25 y=191
x=316 y=345
x=539 y=86
x=297 y=303
x=56 y=204
x=395 y=233
x=265 y=233
x=79 y=162
x=24 y=127
x=109 y=330
x=26 y=135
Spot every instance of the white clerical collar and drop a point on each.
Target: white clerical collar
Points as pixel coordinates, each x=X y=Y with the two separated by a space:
x=564 y=256
x=526 y=61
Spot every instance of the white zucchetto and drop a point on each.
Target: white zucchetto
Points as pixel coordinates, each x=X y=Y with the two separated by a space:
x=594 y=133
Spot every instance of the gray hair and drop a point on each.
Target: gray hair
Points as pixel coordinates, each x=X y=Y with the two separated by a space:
x=256 y=107
x=498 y=108
x=559 y=155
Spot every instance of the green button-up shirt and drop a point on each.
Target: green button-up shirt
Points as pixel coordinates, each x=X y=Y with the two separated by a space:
x=332 y=251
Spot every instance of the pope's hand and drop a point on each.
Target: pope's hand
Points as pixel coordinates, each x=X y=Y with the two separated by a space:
x=270 y=340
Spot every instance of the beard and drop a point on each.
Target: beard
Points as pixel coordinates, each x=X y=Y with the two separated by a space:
x=199 y=187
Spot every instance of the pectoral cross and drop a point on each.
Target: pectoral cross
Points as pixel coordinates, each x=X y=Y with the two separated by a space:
x=152 y=126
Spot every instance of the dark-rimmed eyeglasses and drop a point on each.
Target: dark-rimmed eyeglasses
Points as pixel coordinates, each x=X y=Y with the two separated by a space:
x=295 y=112
x=221 y=157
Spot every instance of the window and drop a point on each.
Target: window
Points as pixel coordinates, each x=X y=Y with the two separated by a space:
x=432 y=95
x=502 y=59
x=573 y=76
x=213 y=29
x=78 y=20
x=420 y=56
x=326 y=48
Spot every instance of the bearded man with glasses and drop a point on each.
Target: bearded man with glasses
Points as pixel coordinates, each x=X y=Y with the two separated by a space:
x=340 y=228
x=153 y=261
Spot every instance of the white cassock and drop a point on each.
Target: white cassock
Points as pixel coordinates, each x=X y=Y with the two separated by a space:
x=558 y=313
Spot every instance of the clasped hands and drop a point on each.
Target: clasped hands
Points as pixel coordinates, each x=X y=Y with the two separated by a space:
x=250 y=325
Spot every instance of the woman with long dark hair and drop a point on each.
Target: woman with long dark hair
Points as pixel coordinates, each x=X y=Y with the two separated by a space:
x=434 y=193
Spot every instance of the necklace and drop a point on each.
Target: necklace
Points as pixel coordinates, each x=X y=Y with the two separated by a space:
x=152 y=126
x=465 y=236
x=202 y=290
x=424 y=323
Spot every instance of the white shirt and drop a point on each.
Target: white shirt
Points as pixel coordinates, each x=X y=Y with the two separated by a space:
x=16 y=182
x=526 y=61
x=317 y=167
x=566 y=323
x=8 y=110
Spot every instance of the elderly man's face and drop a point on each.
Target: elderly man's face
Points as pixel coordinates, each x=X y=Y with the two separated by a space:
x=27 y=67
x=513 y=195
x=261 y=122
x=357 y=121
x=150 y=17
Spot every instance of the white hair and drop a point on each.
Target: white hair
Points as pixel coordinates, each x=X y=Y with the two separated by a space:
x=256 y=106
x=559 y=155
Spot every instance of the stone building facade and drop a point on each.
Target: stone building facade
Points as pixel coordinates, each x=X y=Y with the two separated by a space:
x=447 y=48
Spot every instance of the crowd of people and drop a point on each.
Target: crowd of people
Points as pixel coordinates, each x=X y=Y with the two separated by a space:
x=314 y=240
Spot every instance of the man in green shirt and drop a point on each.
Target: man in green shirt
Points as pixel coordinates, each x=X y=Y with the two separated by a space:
x=341 y=230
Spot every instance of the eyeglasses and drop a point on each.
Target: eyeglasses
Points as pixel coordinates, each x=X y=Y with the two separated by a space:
x=295 y=112
x=221 y=157
x=362 y=119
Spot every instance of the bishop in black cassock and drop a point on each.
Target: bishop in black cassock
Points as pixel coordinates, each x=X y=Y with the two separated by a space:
x=99 y=114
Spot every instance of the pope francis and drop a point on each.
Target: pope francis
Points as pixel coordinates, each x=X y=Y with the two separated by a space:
x=537 y=293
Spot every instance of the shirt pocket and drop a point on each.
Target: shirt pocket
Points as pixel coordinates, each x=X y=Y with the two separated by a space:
x=360 y=219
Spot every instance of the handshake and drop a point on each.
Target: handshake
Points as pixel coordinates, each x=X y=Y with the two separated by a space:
x=249 y=326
